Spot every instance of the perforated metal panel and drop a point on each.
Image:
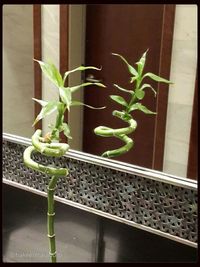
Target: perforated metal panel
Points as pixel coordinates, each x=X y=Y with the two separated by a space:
x=158 y=205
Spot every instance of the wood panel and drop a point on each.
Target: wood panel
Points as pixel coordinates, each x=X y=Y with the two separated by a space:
x=192 y=170
x=64 y=47
x=37 y=48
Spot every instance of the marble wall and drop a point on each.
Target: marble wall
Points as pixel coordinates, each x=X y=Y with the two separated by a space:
x=76 y=58
x=18 y=87
x=50 y=52
x=183 y=74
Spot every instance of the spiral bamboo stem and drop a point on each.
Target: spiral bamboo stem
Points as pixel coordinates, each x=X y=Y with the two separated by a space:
x=54 y=150
x=120 y=133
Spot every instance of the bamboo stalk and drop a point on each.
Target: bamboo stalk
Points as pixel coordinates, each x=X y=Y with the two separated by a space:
x=50 y=218
x=47 y=149
x=119 y=133
x=137 y=94
x=45 y=146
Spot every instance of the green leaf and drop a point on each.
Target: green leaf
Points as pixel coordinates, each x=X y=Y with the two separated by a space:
x=131 y=69
x=61 y=108
x=139 y=94
x=41 y=102
x=66 y=130
x=126 y=115
x=141 y=63
x=51 y=72
x=133 y=79
x=77 y=103
x=66 y=96
x=120 y=100
x=49 y=108
x=75 y=88
x=139 y=106
x=55 y=135
x=146 y=85
x=156 y=78
x=56 y=74
x=122 y=89
x=81 y=68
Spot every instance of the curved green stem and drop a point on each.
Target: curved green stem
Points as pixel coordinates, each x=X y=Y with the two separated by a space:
x=44 y=145
x=134 y=98
x=54 y=150
x=119 y=133
x=39 y=167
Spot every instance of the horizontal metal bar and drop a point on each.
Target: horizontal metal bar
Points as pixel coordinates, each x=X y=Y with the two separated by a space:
x=116 y=165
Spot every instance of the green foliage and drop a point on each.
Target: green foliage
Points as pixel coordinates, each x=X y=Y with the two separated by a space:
x=77 y=103
x=131 y=69
x=122 y=89
x=65 y=128
x=65 y=94
x=146 y=85
x=119 y=99
x=137 y=77
x=81 y=68
x=51 y=72
x=139 y=94
x=139 y=106
x=156 y=78
x=75 y=88
x=45 y=146
x=141 y=64
x=47 y=109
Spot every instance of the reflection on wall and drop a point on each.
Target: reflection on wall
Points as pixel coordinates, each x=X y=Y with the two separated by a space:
x=18 y=75
x=50 y=52
x=76 y=58
x=183 y=74
x=18 y=112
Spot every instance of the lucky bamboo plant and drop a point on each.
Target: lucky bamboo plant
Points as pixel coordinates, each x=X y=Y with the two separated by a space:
x=46 y=145
x=136 y=95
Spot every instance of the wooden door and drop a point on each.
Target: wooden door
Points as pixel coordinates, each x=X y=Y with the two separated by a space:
x=128 y=30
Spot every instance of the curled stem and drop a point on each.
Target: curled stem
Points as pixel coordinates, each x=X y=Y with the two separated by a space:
x=52 y=149
x=44 y=145
x=119 y=133
x=48 y=149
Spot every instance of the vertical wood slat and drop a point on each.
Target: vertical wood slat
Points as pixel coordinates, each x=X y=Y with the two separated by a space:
x=192 y=171
x=37 y=55
x=162 y=94
x=64 y=47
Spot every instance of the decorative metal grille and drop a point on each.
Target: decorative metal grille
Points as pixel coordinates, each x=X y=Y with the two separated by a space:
x=162 y=206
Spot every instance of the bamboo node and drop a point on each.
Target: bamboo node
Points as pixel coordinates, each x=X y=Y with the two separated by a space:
x=50 y=214
x=52 y=254
x=51 y=189
x=50 y=236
